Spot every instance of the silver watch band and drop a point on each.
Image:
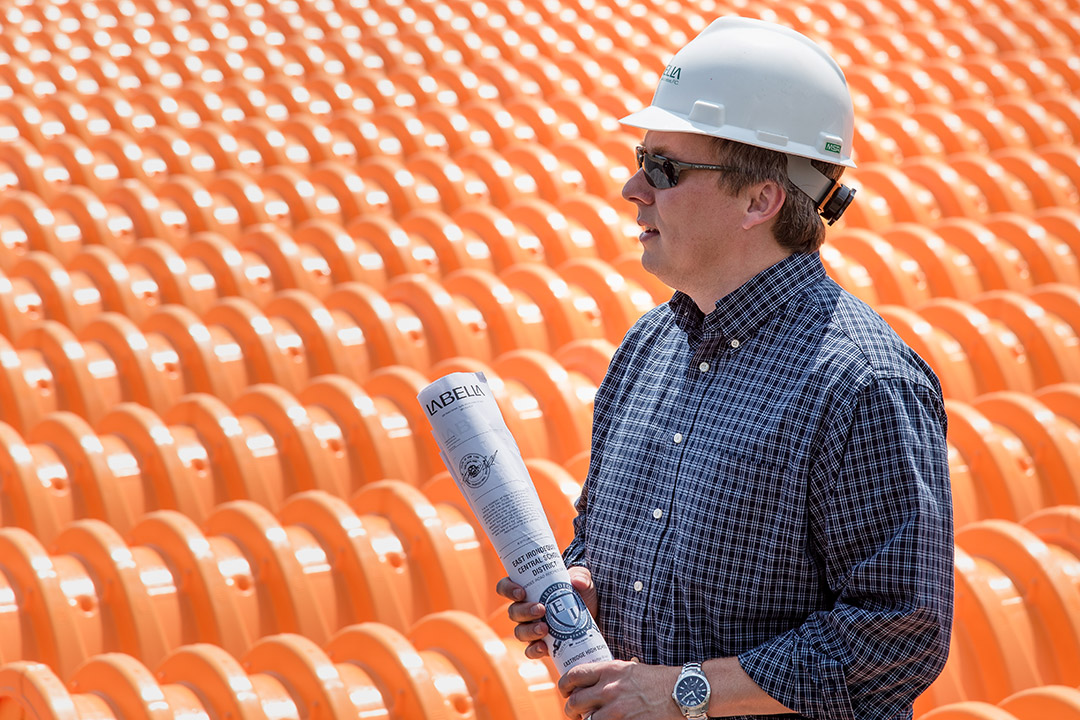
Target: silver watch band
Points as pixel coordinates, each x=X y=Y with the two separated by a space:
x=695 y=666
x=695 y=669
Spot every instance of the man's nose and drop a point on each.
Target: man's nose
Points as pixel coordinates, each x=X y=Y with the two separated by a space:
x=637 y=188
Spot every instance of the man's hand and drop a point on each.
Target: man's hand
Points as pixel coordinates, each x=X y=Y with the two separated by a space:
x=529 y=616
x=617 y=690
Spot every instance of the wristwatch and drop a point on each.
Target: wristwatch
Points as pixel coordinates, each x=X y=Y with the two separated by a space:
x=692 y=692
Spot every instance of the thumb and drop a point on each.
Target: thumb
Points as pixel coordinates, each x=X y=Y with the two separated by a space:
x=582 y=581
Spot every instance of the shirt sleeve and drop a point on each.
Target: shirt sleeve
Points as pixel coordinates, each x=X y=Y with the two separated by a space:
x=603 y=406
x=883 y=531
x=574 y=554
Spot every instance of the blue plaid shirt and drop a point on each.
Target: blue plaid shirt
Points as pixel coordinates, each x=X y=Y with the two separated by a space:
x=771 y=481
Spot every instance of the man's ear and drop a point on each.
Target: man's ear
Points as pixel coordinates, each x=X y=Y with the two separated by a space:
x=764 y=201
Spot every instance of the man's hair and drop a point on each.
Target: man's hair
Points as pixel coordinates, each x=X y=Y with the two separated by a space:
x=798 y=228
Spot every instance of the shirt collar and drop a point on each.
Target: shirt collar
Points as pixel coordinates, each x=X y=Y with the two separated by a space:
x=740 y=313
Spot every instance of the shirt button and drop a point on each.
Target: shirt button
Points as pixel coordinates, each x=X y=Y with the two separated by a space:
x=703 y=367
x=658 y=513
x=734 y=343
x=677 y=438
x=638 y=585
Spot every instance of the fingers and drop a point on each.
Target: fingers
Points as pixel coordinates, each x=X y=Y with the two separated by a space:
x=529 y=631
x=537 y=650
x=510 y=589
x=524 y=612
x=582 y=581
x=579 y=676
x=520 y=611
x=532 y=631
x=577 y=686
x=530 y=627
x=580 y=577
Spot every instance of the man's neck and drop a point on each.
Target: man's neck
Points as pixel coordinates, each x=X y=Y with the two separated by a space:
x=736 y=273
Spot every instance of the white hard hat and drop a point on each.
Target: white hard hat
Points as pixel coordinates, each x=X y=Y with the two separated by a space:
x=757 y=83
x=765 y=85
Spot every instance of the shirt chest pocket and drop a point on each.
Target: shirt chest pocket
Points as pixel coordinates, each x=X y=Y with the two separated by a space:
x=740 y=526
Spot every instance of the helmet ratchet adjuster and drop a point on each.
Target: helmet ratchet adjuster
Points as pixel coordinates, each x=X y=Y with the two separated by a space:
x=835 y=202
x=830 y=197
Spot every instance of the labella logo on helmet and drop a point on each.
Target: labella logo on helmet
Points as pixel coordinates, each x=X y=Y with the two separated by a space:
x=766 y=85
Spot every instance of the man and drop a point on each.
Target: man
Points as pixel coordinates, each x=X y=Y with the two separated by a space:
x=766 y=524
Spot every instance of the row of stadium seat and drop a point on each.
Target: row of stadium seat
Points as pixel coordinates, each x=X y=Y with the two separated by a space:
x=228 y=48
x=450 y=665
x=1005 y=125
x=910 y=264
x=417 y=323
x=1011 y=453
x=204 y=227
x=1017 y=621
x=957 y=137
x=1010 y=457
x=329 y=15
x=268 y=444
x=969 y=186
x=315 y=258
x=1002 y=340
x=43 y=99
x=394 y=557
x=547 y=222
x=907 y=264
x=342 y=123
x=391 y=554
x=225 y=200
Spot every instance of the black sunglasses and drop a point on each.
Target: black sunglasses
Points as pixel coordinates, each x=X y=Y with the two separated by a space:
x=663 y=173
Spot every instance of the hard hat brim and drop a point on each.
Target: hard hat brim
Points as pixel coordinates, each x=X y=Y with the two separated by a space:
x=654 y=118
x=660 y=120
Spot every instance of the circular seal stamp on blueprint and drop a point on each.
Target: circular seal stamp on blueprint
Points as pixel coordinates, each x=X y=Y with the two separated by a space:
x=566 y=616
x=474 y=468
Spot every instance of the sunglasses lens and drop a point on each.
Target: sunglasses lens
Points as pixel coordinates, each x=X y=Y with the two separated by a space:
x=658 y=173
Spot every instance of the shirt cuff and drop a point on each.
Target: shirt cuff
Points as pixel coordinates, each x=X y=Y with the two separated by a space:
x=807 y=682
x=574 y=554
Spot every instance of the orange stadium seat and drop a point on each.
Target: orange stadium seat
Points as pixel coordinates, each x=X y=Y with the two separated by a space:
x=997 y=356
x=1050 y=340
x=558 y=415
x=897 y=277
x=949 y=272
x=941 y=350
x=1056 y=701
x=999 y=264
x=449 y=660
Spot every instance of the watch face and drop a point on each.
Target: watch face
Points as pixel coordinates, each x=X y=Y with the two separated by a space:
x=691 y=691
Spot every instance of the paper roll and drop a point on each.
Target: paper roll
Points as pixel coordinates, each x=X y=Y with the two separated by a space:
x=485 y=462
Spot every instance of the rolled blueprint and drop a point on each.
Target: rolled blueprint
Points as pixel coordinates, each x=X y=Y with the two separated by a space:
x=487 y=466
